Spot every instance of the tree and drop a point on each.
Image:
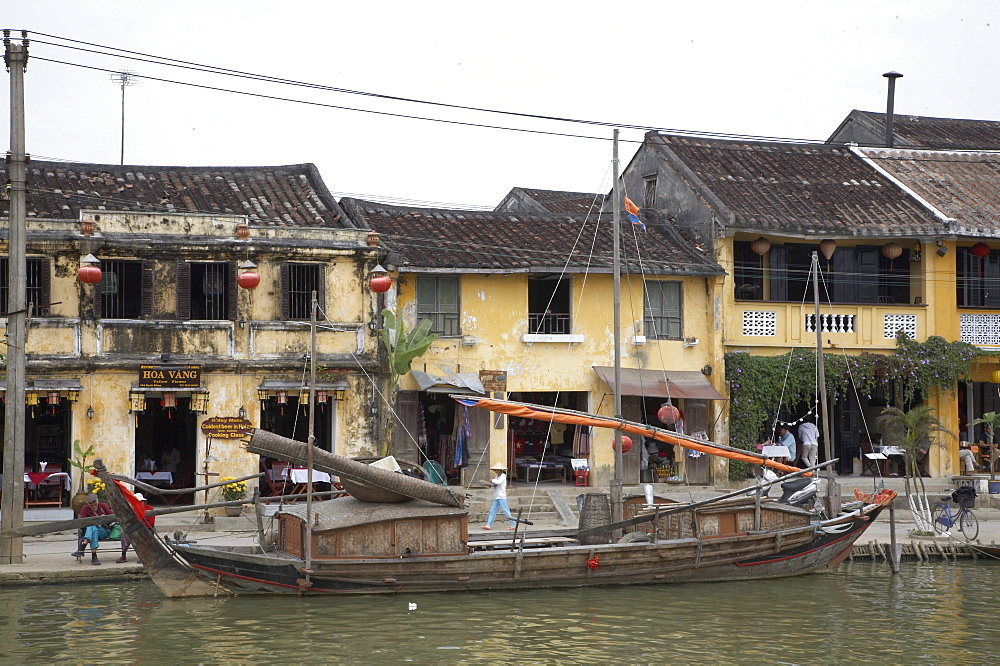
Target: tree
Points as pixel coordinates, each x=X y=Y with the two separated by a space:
x=992 y=421
x=910 y=431
x=402 y=349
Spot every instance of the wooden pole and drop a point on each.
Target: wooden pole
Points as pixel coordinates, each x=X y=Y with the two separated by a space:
x=832 y=499
x=894 y=548
x=312 y=435
x=12 y=505
x=617 y=510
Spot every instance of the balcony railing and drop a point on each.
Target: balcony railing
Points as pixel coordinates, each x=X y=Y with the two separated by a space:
x=782 y=324
x=549 y=323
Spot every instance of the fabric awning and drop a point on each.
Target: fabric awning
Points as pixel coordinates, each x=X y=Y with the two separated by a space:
x=659 y=383
x=460 y=382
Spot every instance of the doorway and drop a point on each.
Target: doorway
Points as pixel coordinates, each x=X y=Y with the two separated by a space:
x=166 y=441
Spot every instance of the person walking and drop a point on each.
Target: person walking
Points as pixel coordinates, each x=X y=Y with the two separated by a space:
x=499 y=483
x=809 y=436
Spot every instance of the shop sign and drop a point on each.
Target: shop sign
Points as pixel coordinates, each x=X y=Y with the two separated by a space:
x=493 y=380
x=225 y=427
x=170 y=376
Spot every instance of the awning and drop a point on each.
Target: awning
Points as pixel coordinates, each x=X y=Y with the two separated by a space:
x=660 y=383
x=460 y=382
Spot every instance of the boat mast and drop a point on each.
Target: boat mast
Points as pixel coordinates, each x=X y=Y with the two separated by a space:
x=312 y=433
x=833 y=492
x=616 y=481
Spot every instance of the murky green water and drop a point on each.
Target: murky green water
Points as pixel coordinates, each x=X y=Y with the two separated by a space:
x=930 y=613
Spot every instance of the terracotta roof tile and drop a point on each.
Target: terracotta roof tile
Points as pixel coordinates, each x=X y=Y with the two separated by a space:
x=801 y=188
x=293 y=195
x=500 y=241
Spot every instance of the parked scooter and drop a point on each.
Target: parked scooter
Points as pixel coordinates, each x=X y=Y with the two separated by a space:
x=800 y=491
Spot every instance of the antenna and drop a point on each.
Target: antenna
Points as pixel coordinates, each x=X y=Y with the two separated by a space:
x=124 y=78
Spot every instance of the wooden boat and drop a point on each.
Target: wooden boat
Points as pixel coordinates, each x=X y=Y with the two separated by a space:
x=422 y=546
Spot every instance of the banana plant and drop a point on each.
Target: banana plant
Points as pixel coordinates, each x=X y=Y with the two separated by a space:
x=402 y=349
x=80 y=462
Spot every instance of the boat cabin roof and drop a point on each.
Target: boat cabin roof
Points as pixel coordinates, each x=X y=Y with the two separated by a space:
x=350 y=512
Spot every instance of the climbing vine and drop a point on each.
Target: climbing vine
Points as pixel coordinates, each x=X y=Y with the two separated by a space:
x=758 y=384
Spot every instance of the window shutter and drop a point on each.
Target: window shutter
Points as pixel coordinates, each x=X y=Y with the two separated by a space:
x=991 y=280
x=232 y=292
x=779 y=272
x=183 y=290
x=148 y=281
x=843 y=286
x=283 y=287
x=95 y=297
x=866 y=268
x=44 y=285
x=321 y=292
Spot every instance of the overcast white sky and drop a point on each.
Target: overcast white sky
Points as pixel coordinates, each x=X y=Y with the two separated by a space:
x=768 y=68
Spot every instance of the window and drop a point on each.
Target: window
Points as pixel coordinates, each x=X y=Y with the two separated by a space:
x=298 y=282
x=437 y=300
x=649 y=199
x=978 y=279
x=206 y=290
x=37 y=284
x=662 y=317
x=126 y=290
x=548 y=305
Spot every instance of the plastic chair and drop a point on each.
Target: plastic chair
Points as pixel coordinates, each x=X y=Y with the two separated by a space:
x=582 y=477
x=435 y=473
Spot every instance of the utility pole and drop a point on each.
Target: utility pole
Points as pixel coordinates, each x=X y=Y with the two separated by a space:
x=12 y=506
x=125 y=79
x=617 y=508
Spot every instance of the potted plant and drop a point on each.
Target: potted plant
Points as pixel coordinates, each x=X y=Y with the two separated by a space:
x=80 y=462
x=236 y=490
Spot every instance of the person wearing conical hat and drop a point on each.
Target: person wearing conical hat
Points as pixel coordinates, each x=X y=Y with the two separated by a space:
x=499 y=483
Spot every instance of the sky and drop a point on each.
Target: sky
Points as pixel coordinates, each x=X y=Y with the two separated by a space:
x=765 y=69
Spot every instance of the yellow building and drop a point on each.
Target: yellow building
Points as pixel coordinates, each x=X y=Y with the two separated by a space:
x=522 y=305
x=146 y=362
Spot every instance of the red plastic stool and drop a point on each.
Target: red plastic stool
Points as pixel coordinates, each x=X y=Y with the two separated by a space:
x=581 y=476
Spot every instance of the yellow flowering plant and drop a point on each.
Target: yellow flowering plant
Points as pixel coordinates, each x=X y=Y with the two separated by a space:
x=236 y=490
x=97 y=487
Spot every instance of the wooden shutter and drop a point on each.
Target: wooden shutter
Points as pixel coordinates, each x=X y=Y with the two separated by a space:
x=283 y=288
x=146 y=305
x=95 y=296
x=183 y=290
x=842 y=281
x=866 y=270
x=321 y=292
x=779 y=273
x=45 y=286
x=232 y=292
x=407 y=425
x=991 y=280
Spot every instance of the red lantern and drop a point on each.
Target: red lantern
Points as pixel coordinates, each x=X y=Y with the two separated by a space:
x=379 y=282
x=626 y=444
x=668 y=414
x=248 y=280
x=89 y=271
x=980 y=250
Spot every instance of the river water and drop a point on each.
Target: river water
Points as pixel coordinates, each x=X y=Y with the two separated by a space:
x=930 y=613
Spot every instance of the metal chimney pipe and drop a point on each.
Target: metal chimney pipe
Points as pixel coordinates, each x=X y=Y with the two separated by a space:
x=892 y=76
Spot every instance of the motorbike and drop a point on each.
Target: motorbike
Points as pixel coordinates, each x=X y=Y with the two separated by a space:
x=800 y=491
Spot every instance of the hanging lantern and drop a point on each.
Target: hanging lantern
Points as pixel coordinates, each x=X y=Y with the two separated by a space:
x=321 y=397
x=891 y=250
x=249 y=278
x=668 y=414
x=379 y=282
x=760 y=246
x=89 y=271
x=981 y=250
x=626 y=444
x=827 y=247
x=282 y=400
x=995 y=377
x=169 y=400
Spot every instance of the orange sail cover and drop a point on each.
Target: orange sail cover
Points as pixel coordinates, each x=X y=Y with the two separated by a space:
x=542 y=413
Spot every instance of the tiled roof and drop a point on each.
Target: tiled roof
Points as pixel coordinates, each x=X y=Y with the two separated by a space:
x=291 y=195
x=963 y=185
x=801 y=188
x=920 y=132
x=491 y=241
x=527 y=200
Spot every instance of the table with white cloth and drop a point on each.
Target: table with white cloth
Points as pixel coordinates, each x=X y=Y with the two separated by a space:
x=299 y=476
x=777 y=451
x=895 y=458
x=45 y=481
x=161 y=478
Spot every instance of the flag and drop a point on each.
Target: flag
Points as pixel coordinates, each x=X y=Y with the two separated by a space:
x=633 y=214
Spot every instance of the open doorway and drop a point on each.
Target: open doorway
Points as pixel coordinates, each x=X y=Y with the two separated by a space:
x=166 y=443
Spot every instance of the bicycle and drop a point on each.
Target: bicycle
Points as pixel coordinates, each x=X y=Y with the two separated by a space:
x=943 y=520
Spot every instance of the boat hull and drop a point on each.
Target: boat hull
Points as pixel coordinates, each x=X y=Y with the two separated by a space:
x=738 y=557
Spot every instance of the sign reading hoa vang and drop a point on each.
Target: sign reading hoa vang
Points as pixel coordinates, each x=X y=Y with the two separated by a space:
x=169 y=376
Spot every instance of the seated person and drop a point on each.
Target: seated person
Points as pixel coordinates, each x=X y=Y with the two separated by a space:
x=92 y=535
x=966 y=461
x=923 y=448
x=148 y=521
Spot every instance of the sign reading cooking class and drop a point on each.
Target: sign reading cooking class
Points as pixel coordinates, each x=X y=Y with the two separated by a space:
x=169 y=376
